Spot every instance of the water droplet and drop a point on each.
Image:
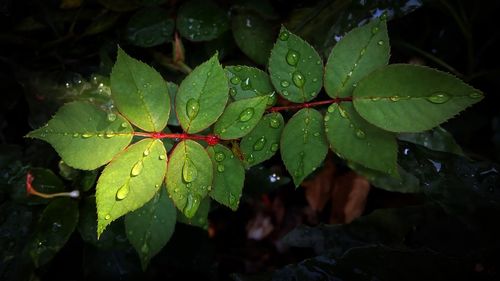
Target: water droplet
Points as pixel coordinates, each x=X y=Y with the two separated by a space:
x=219 y=156
x=86 y=135
x=192 y=108
x=251 y=158
x=380 y=43
x=136 y=169
x=232 y=92
x=327 y=118
x=189 y=171
x=111 y=117
x=439 y=97
x=298 y=79
x=259 y=144
x=246 y=84
x=284 y=84
x=75 y=135
x=349 y=74
x=162 y=157
x=209 y=73
x=220 y=168
x=123 y=191
x=315 y=79
x=394 y=98
x=375 y=29
x=475 y=95
x=331 y=108
x=235 y=80
x=145 y=249
x=292 y=57
x=107 y=217
x=284 y=35
x=343 y=113
x=192 y=205
x=274 y=122
x=146 y=152
x=274 y=147
x=360 y=134
x=232 y=199
x=316 y=134
x=375 y=98
x=246 y=114
x=237 y=68
x=285 y=93
x=109 y=134
x=124 y=125
x=307 y=120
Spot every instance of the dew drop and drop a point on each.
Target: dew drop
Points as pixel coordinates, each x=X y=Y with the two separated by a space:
x=137 y=169
x=232 y=92
x=232 y=199
x=251 y=158
x=111 y=117
x=285 y=93
x=246 y=114
x=439 y=97
x=375 y=98
x=123 y=191
x=274 y=147
x=124 y=125
x=375 y=29
x=86 y=135
x=219 y=156
x=284 y=84
x=475 y=95
x=331 y=108
x=327 y=118
x=284 y=35
x=75 y=135
x=220 y=168
x=274 y=123
x=316 y=134
x=298 y=79
x=192 y=108
x=360 y=134
x=146 y=152
x=189 y=171
x=380 y=43
x=235 y=80
x=192 y=205
x=162 y=157
x=394 y=98
x=343 y=113
x=307 y=120
x=109 y=134
x=292 y=57
x=259 y=144
x=145 y=249
x=363 y=51
x=246 y=84
x=107 y=217
x=237 y=68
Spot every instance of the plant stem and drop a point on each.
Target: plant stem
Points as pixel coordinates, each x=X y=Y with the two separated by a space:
x=309 y=104
x=210 y=139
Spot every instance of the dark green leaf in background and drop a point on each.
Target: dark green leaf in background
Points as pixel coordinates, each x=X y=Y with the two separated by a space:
x=150 y=27
x=201 y=20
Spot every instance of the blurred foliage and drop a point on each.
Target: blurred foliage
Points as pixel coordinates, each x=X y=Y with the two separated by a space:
x=54 y=52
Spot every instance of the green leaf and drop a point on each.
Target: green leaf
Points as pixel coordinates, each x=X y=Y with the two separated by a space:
x=129 y=181
x=57 y=223
x=202 y=96
x=85 y=136
x=229 y=176
x=172 y=91
x=200 y=219
x=248 y=82
x=140 y=93
x=354 y=139
x=199 y=20
x=437 y=139
x=410 y=98
x=253 y=35
x=361 y=51
x=240 y=117
x=263 y=141
x=189 y=176
x=303 y=144
x=150 y=227
x=295 y=67
x=150 y=27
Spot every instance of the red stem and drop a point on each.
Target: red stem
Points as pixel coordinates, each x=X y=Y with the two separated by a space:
x=308 y=104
